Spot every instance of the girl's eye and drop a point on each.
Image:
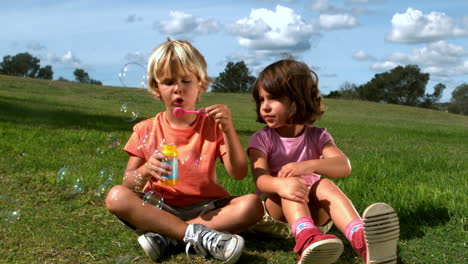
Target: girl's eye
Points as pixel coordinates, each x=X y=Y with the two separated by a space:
x=186 y=81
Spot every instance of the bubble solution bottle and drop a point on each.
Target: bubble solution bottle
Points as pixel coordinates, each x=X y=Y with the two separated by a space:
x=171 y=152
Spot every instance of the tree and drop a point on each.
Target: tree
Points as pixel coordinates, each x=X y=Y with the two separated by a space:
x=82 y=76
x=236 y=78
x=45 y=73
x=22 y=64
x=430 y=99
x=459 y=101
x=402 y=85
x=348 y=91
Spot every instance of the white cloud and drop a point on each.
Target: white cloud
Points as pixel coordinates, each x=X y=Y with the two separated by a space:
x=68 y=59
x=439 y=59
x=35 y=46
x=133 y=18
x=384 y=66
x=337 y=21
x=361 y=55
x=137 y=57
x=321 y=5
x=415 y=27
x=274 y=32
x=182 y=23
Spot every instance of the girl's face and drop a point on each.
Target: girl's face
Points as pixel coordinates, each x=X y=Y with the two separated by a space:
x=274 y=111
x=179 y=91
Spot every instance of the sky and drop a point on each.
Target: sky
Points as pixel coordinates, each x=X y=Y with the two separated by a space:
x=342 y=41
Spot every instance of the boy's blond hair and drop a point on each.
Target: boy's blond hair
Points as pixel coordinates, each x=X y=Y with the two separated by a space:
x=174 y=58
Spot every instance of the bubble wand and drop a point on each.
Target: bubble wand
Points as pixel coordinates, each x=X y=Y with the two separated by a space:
x=179 y=111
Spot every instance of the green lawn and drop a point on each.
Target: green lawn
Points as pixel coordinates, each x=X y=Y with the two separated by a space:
x=414 y=159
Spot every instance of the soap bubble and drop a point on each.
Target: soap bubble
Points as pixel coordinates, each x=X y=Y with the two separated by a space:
x=136 y=177
x=105 y=175
x=154 y=198
x=9 y=211
x=133 y=75
x=104 y=189
x=129 y=111
x=69 y=179
x=112 y=141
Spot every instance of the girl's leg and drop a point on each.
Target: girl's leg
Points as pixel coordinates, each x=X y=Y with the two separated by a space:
x=127 y=205
x=241 y=213
x=311 y=244
x=335 y=203
x=345 y=217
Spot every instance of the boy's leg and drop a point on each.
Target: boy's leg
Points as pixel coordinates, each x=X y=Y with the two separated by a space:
x=127 y=205
x=235 y=217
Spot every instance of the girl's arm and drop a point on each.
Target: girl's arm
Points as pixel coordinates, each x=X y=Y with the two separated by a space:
x=335 y=164
x=235 y=159
x=292 y=188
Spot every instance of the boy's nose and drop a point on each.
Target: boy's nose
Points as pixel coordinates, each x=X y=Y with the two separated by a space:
x=177 y=88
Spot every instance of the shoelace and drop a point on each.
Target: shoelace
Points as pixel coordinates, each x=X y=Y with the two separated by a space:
x=210 y=241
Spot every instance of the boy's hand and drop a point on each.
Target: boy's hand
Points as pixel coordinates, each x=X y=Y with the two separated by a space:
x=294 y=189
x=156 y=167
x=222 y=115
x=293 y=169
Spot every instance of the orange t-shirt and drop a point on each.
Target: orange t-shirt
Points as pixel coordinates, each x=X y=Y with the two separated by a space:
x=198 y=147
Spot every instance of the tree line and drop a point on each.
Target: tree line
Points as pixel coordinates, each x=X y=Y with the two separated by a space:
x=403 y=85
x=26 y=65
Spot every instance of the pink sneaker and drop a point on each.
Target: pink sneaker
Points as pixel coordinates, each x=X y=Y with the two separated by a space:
x=315 y=247
x=382 y=231
x=358 y=242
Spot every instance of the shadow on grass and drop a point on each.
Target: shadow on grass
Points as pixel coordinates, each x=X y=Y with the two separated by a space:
x=414 y=220
x=31 y=112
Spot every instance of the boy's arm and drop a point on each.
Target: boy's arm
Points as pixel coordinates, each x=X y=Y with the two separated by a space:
x=292 y=188
x=335 y=164
x=235 y=159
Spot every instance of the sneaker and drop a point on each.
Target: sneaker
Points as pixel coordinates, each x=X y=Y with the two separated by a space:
x=358 y=242
x=155 y=245
x=222 y=246
x=382 y=231
x=315 y=247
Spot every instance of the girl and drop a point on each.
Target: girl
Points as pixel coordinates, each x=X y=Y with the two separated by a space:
x=289 y=155
x=197 y=207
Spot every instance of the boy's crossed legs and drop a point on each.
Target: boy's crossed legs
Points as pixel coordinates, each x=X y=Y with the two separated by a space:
x=233 y=215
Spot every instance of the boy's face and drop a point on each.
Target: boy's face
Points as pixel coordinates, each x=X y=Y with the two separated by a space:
x=179 y=91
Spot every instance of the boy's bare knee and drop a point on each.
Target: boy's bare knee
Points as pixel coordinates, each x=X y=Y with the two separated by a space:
x=114 y=197
x=253 y=207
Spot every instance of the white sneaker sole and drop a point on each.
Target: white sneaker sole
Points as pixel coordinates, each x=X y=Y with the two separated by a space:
x=322 y=252
x=237 y=252
x=382 y=231
x=152 y=252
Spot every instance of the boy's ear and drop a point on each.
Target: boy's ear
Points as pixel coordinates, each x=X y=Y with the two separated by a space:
x=156 y=94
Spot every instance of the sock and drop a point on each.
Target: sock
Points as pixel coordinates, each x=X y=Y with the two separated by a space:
x=302 y=223
x=355 y=234
x=353 y=226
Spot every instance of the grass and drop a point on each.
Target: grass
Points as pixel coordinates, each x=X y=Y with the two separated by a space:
x=414 y=159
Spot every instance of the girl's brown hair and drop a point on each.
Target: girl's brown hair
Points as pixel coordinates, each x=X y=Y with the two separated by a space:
x=295 y=80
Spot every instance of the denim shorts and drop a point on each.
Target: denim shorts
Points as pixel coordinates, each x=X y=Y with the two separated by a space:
x=187 y=212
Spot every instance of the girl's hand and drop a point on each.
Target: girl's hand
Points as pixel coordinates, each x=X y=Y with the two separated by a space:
x=222 y=115
x=156 y=167
x=293 y=169
x=294 y=189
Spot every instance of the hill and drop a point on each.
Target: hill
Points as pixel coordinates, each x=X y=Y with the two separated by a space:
x=414 y=159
